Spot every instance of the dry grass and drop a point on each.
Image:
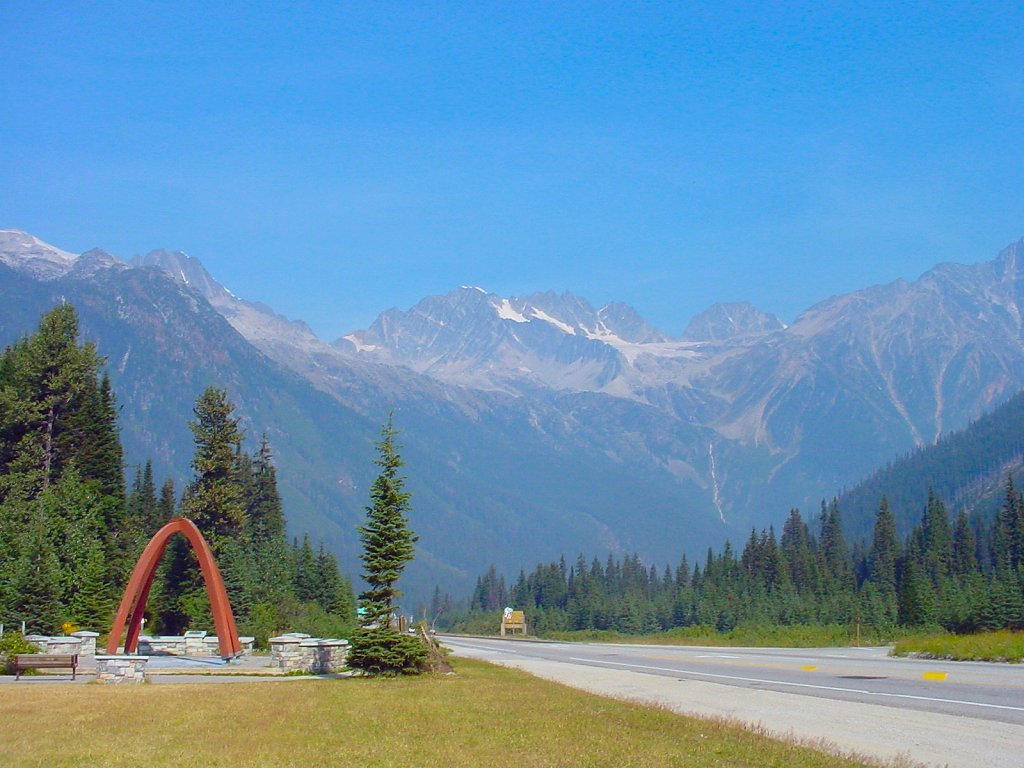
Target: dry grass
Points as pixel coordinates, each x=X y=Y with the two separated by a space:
x=482 y=716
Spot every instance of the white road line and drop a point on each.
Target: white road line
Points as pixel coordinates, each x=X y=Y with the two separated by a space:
x=801 y=685
x=718 y=656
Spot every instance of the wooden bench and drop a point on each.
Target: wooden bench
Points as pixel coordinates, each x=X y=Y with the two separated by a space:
x=23 y=661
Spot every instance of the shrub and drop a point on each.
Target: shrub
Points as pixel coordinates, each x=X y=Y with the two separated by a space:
x=11 y=644
x=386 y=651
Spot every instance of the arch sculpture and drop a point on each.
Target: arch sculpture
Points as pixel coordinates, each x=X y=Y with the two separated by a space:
x=133 y=603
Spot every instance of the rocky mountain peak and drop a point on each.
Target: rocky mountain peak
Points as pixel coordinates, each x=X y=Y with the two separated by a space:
x=721 y=322
x=626 y=323
x=93 y=261
x=187 y=270
x=27 y=253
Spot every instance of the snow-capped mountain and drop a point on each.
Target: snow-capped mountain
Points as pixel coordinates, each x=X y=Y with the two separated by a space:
x=854 y=381
x=545 y=340
x=541 y=425
x=22 y=251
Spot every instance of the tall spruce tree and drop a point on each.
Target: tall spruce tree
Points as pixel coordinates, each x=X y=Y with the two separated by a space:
x=885 y=550
x=213 y=501
x=388 y=542
x=263 y=503
x=388 y=545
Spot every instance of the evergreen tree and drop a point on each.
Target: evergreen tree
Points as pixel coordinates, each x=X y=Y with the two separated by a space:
x=388 y=545
x=965 y=559
x=834 y=553
x=166 y=507
x=305 y=571
x=1008 y=533
x=916 y=601
x=214 y=499
x=143 y=515
x=35 y=581
x=798 y=548
x=937 y=539
x=884 y=549
x=263 y=502
x=50 y=380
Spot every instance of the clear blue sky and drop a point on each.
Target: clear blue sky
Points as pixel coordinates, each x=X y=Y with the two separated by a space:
x=336 y=159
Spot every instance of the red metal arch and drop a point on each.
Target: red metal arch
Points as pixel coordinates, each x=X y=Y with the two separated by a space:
x=141 y=581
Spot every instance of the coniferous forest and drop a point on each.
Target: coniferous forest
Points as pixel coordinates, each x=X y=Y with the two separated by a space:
x=947 y=573
x=71 y=528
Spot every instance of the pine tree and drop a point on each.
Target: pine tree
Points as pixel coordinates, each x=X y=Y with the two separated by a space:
x=35 y=581
x=1008 y=533
x=884 y=549
x=214 y=499
x=166 y=507
x=265 y=517
x=965 y=559
x=305 y=571
x=388 y=545
x=49 y=383
x=937 y=539
x=145 y=503
x=832 y=547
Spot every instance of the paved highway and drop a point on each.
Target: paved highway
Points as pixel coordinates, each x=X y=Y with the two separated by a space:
x=960 y=713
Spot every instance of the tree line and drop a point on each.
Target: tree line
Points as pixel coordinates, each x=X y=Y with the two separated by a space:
x=71 y=528
x=958 y=574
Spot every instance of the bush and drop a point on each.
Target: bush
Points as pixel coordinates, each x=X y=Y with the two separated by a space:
x=11 y=644
x=1003 y=645
x=386 y=651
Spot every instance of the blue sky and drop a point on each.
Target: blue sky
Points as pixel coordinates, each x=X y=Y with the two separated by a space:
x=336 y=159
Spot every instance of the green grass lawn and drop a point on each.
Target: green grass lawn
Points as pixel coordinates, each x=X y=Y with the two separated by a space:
x=481 y=716
x=985 y=646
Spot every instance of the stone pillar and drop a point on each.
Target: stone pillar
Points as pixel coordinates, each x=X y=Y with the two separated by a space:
x=287 y=655
x=88 y=641
x=121 y=669
x=329 y=655
x=194 y=645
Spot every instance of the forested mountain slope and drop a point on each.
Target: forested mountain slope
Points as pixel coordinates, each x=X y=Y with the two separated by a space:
x=967 y=468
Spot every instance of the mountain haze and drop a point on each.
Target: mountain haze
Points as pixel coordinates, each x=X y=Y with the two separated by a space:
x=539 y=425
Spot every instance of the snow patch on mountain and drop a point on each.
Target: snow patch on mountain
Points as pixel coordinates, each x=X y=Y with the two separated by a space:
x=540 y=314
x=507 y=312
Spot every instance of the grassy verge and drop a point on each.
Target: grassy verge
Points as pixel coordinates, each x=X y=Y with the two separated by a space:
x=985 y=646
x=793 y=636
x=481 y=716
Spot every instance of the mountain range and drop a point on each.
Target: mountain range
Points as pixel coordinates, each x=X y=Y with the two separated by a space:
x=540 y=425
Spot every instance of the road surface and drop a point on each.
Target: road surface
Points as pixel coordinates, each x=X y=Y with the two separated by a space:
x=858 y=699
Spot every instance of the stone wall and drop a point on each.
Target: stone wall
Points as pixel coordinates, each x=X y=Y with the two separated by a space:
x=121 y=669
x=194 y=643
x=296 y=652
x=57 y=644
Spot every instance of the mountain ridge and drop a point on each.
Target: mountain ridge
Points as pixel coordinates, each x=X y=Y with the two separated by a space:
x=544 y=413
